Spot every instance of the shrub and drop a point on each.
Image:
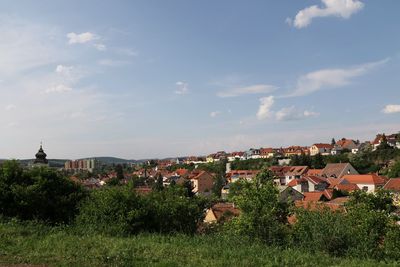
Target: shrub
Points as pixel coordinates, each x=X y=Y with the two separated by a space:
x=38 y=194
x=392 y=243
x=120 y=211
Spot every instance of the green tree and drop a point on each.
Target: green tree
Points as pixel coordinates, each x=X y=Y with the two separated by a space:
x=262 y=215
x=394 y=171
x=219 y=183
x=120 y=172
x=317 y=161
x=38 y=193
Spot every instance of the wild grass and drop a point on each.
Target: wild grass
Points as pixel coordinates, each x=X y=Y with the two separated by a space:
x=36 y=244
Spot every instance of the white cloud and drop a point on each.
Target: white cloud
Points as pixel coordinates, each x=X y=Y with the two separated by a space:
x=10 y=107
x=81 y=38
x=336 y=8
x=331 y=78
x=253 y=89
x=100 y=47
x=183 y=88
x=291 y=113
x=214 y=114
x=389 y=109
x=64 y=70
x=264 y=110
x=59 y=88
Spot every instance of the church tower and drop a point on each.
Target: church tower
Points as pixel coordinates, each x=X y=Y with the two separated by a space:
x=41 y=158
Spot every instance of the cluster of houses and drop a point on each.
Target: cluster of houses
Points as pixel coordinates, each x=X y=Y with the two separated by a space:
x=310 y=188
x=333 y=148
x=304 y=186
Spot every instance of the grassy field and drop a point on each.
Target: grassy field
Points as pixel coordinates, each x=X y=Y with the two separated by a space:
x=30 y=244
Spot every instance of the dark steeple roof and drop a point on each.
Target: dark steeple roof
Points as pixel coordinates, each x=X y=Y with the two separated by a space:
x=40 y=157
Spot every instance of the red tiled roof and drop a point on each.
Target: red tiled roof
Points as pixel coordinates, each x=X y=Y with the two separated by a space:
x=316 y=172
x=314 y=205
x=320 y=145
x=393 y=185
x=365 y=179
x=346 y=187
x=221 y=209
x=313 y=196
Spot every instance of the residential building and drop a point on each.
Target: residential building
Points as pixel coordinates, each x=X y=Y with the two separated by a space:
x=338 y=170
x=202 y=182
x=289 y=194
x=366 y=182
x=267 y=153
x=295 y=172
x=236 y=175
x=221 y=212
x=90 y=165
x=348 y=144
x=323 y=149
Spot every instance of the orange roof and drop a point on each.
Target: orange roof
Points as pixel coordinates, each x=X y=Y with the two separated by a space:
x=346 y=187
x=365 y=179
x=316 y=172
x=393 y=184
x=320 y=145
x=314 y=205
x=293 y=183
x=181 y=172
x=313 y=196
x=221 y=209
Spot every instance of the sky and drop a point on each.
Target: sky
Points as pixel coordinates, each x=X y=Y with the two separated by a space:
x=153 y=79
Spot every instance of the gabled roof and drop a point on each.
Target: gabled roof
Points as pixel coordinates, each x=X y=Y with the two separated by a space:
x=365 y=179
x=337 y=170
x=315 y=179
x=393 y=185
x=313 y=196
x=315 y=172
x=279 y=170
x=320 y=145
x=297 y=170
x=196 y=174
x=225 y=209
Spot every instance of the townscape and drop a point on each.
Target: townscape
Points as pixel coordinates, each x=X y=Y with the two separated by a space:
x=199 y=133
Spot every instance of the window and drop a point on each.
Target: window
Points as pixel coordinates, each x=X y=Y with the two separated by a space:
x=365 y=188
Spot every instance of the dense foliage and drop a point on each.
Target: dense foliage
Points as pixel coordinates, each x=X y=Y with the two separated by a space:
x=262 y=216
x=120 y=211
x=37 y=194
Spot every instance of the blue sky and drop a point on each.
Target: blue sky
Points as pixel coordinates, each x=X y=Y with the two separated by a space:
x=139 y=79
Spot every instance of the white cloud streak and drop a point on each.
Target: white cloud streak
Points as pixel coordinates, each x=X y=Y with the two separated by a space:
x=331 y=8
x=291 y=113
x=331 y=78
x=389 y=109
x=252 y=89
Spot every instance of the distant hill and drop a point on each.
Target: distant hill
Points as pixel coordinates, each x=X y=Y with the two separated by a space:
x=112 y=160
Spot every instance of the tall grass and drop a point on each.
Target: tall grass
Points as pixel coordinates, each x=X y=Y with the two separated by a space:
x=32 y=243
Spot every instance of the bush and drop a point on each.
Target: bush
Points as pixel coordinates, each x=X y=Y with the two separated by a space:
x=120 y=211
x=392 y=243
x=38 y=194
